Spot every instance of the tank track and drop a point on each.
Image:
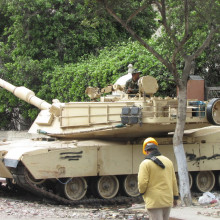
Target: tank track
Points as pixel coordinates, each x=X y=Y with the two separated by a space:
x=21 y=177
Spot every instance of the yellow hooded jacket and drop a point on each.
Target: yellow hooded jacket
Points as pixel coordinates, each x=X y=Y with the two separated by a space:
x=158 y=185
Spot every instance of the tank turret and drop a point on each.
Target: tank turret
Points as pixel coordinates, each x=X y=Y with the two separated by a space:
x=121 y=116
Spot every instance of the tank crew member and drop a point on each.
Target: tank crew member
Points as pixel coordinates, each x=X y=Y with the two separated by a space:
x=131 y=86
x=157 y=182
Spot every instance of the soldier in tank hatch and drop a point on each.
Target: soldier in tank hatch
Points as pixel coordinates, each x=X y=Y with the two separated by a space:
x=131 y=86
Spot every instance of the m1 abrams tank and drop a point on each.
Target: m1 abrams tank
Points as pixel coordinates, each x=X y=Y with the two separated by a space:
x=94 y=148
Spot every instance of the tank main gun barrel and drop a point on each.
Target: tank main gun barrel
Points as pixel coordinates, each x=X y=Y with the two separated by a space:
x=25 y=94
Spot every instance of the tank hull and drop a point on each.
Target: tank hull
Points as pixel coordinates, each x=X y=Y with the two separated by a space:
x=104 y=157
x=89 y=159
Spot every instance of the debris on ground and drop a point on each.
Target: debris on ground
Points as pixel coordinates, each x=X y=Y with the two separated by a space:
x=208 y=198
x=211 y=204
x=23 y=205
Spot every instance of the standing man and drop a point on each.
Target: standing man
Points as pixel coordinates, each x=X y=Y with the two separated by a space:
x=157 y=182
x=131 y=86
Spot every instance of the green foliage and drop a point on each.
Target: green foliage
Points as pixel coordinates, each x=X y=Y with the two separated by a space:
x=202 y=15
x=143 y=24
x=68 y=83
x=208 y=64
x=54 y=29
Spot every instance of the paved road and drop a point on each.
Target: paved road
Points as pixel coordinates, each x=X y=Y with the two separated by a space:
x=178 y=213
x=192 y=213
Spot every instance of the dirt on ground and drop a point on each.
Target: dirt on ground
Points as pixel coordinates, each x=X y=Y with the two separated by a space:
x=23 y=205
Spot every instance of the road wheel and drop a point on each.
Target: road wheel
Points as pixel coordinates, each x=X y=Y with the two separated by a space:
x=218 y=179
x=76 y=188
x=33 y=180
x=205 y=181
x=107 y=187
x=130 y=185
x=190 y=180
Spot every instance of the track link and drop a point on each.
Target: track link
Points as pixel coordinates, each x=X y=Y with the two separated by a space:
x=21 y=177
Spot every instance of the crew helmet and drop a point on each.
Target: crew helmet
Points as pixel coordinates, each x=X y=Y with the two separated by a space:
x=150 y=142
x=136 y=71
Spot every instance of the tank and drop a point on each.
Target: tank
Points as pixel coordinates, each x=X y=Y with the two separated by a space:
x=91 y=150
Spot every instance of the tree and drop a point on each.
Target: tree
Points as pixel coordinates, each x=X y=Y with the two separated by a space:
x=180 y=20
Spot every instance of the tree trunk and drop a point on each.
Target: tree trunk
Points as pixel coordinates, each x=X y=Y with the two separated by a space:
x=178 y=145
